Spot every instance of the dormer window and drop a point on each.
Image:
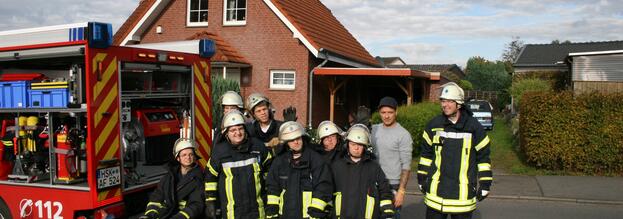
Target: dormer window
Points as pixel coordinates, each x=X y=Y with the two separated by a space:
x=197 y=15
x=234 y=12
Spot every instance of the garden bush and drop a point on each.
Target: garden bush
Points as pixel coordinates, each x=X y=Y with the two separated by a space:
x=219 y=87
x=528 y=85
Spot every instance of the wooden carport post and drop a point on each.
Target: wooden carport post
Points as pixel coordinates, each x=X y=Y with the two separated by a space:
x=332 y=90
x=408 y=90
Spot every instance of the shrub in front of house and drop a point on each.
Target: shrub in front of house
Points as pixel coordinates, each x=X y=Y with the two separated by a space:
x=219 y=87
x=414 y=118
x=528 y=85
x=582 y=133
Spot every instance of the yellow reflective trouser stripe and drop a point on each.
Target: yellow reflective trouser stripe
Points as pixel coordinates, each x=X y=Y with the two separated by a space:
x=426 y=138
x=258 y=189
x=185 y=214
x=307 y=196
x=482 y=143
x=182 y=204
x=283 y=192
x=435 y=179
x=210 y=186
x=422 y=172
x=425 y=161
x=211 y=169
x=318 y=203
x=229 y=192
x=485 y=178
x=151 y=210
x=272 y=200
x=463 y=180
x=7 y=143
x=338 y=203
x=484 y=166
x=157 y=204
x=386 y=202
x=369 y=207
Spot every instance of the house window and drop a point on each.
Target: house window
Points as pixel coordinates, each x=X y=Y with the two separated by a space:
x=282 y=79
x=197 y=13
x=235 y=12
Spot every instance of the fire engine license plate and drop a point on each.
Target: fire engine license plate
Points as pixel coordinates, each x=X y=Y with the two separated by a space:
x=108 y=177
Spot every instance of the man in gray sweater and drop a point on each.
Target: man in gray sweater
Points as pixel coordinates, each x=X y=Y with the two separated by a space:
x=393 y=147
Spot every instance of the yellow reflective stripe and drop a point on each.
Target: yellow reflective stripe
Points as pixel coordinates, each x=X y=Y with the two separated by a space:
x=369 y=207
x=157 y=204
x=422 y=172
x=210 y=186
x=281 y=201
x=482 y=143
x=258 y=189
x=437 y=129
x=307 y=197
x=211 y=169
x=425 y=161
x=211 y=199
x=185 y=214
x=338 y=203
x=268 y=157
x=463 y=180
x=151 y=210
x=485 y=178
x=229 y=192
x=447 y=201
x=386 y=202
x=272 y=200
x=181 y=204
x=432 y=204
x=435 y=179
x=427 y=138
x=318 y=203
x=484 y=166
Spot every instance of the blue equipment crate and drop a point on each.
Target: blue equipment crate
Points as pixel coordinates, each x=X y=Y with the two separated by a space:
x=14 y=94
x=48 y=98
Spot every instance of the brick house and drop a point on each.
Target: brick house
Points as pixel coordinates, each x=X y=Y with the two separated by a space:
x=268 y=46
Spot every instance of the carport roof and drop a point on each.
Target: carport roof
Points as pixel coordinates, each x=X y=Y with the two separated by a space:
x=391 y=72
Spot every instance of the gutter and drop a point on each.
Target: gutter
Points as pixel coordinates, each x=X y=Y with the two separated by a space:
x=311 y=86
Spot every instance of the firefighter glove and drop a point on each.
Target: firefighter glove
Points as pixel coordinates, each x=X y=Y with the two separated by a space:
x=272 y=211
x=272 y=143
x=316 y=213
x=482 y=194
x=210 y=210
x=289 y=114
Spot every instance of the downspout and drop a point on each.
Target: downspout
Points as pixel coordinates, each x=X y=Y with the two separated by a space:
x=311 y=85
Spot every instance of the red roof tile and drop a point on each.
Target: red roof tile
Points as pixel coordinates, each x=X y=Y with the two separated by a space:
x=224 y=51
x=132 y=21
x=316 y=22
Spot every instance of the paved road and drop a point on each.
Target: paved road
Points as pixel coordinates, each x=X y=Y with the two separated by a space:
x=509 y=209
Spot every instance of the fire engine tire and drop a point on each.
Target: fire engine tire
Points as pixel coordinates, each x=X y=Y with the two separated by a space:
x=5 y=213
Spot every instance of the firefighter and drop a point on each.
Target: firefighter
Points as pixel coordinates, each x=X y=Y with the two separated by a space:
x=230 y=101
x=454 y=171
x=299 y=183
x=361 y=189
x=235 y=172
x=331 y=146
x=265 y=127
x=180 y=192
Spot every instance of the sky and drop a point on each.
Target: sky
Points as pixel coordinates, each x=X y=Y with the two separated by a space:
x=418 y=31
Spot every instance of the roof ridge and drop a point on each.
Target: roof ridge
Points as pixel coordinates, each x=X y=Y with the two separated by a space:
x=575 y=43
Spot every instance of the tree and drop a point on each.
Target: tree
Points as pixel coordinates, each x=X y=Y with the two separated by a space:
x=466 y=85
x=512 y=50
x=487 y=75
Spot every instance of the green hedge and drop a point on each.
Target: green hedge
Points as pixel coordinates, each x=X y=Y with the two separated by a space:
x=414 y=118
x=520 y=87
x=219 y=87
x=583 y=133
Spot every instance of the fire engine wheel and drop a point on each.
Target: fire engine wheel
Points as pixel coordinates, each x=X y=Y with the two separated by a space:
x=5 y=213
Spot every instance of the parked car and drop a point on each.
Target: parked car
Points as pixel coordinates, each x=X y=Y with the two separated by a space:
x=483 y=112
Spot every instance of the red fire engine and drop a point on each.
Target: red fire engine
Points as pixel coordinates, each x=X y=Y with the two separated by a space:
x=87 y=127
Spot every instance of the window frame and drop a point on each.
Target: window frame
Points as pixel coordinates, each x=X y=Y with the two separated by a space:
x=189 y=23
x=235 y=22
x=284 y=86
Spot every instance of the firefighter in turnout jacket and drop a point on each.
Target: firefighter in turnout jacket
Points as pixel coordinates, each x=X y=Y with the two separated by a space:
x=331 y=146
x=180 y=192
x=361 y=189
x=299 y=183
x=230 y=101
x=264 y=126
x=235 y=172
x=454 y=169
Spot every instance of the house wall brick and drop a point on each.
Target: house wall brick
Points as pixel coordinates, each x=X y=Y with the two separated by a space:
x=264 y=41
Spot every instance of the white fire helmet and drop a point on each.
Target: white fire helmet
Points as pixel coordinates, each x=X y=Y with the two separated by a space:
x=231 y=98
x=254 y=99
x=290 y=130
x=452 y=91
x=359 y=134
x=230 y=119
x=181 y=144
x=327 y=128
